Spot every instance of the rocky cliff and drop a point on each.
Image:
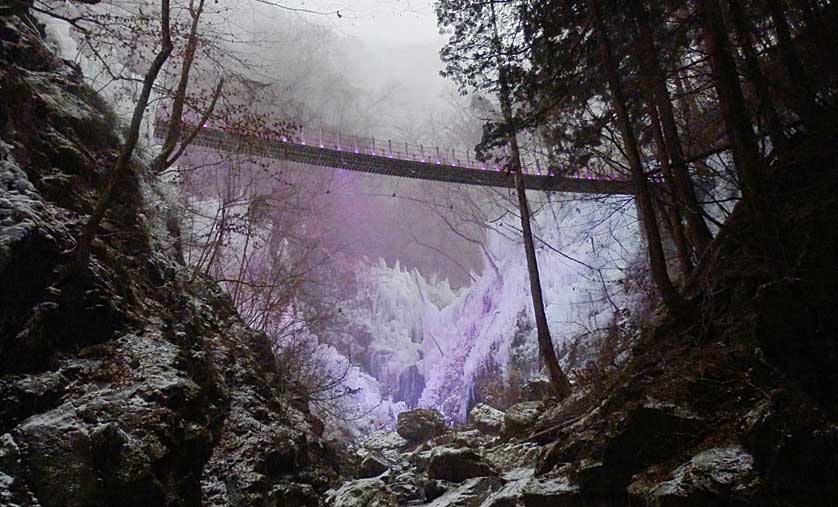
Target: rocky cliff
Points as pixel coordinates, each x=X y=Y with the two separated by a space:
x=132 y=382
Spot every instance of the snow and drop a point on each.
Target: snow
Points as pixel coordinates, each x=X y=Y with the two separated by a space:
x=58 y=36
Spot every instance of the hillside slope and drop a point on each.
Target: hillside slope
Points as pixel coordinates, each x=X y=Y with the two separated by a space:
x=739 y=405
x=130 y=383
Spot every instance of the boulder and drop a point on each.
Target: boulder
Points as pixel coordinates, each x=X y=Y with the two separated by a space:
x=362 y=493
x=373 y=466
x=471 y=493
x=407 y=486
x=556 y=492
x=387 y=444
x=536 y=389
x=420 y=424
x=458 y=465
x=721 y=475
x=512 y=454
x=435 y=489
x=295 y=495
x=487 y=419
x=523 y=489
x=522 y=416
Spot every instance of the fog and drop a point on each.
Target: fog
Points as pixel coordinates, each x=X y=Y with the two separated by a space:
x=372 y=70
x=375 y=277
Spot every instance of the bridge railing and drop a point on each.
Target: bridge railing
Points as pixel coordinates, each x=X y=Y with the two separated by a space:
x=403 y=150
x=399 y=150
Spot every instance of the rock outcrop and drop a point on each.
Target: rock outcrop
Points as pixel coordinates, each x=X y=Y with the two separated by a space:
x=128 y=381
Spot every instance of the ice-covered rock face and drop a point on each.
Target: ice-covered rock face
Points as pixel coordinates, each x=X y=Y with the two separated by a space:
x=430 y=346
x=489 y=327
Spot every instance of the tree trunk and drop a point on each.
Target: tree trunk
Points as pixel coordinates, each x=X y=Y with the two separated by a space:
x=731 y=101
x=173 y=131
x=766 y=104
x=657 y=260
x=685 y=190
x=802 y=87
x=558 y=379
x=81 y=252
x=669 y=205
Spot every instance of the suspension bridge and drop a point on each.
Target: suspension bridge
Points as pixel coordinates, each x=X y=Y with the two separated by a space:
x=404 y=160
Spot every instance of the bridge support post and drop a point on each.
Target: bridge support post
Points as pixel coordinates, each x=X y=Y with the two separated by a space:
x=321 y=137
x=453 y=157
x=406 y=151
x=339 y=141
x=373 y=146
x=422 y=152
x=438 y=158
x=390 y=148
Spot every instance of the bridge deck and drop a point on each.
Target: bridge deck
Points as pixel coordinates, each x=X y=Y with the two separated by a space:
x=383 y=164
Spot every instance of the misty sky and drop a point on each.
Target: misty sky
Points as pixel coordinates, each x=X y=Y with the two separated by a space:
x=398 y=21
